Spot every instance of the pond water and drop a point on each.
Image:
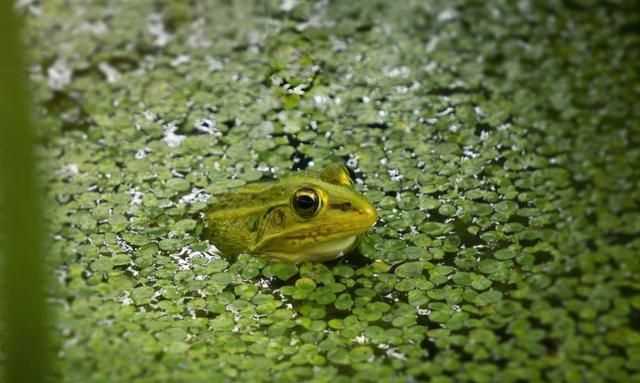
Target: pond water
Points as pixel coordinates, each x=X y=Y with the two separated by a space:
x=499 y=143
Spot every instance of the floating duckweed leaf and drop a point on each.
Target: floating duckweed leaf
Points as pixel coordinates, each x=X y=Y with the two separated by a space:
x=488 y=297
x=410 y=269
x=283 y=271
x=447 y=210
x=323 y=295
x=343 y=271
x=336 y=324
x=439 y=274
x=185 y=225
x=339 y=356
x=245 y=292
x=178 y=185
x=305 y=284
x=343 y=302
x=435 y=228
x=406 y=284
x=216 y=266
x=462 y=278
x=219 y=281
x=504 y=254
x=142 y=295
x=380 y=266
x=170 y=244
x=479 y=282
x=428 y=203
x=488 y=266
x=121 y=259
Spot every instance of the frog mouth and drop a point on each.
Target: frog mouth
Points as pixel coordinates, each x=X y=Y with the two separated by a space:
x=326 y=233
x=331 y=248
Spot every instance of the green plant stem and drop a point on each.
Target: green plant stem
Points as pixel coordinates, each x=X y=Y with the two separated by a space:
x=23 y=272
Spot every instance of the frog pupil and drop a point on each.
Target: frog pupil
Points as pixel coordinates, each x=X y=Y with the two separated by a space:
x=306 y=202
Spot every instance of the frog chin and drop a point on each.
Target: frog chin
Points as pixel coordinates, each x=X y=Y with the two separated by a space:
x=318 y=252
x=330 y=249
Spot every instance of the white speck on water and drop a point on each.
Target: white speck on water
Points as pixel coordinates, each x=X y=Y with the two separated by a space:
x=423 y=311
x=97 y=28
x=469 y=152
x=155 y=27
x=445 y=112
x=198 y=37
x=430 y=66
x=391 y=352
x=264 y=283
x=170 y=138
x=59 y=74
x=264 y=168
x=392 y=297
x=196 y=195
x=125 y=298
x=395 y=175
x=365 y=99
x=288 y=5
x=298 y=89
x=338 y=45
x=142 y=153
x=31 y=5
x=112 y=75
x=401 y=71
x=320 y=99
x=180 y=59
x=149 y=115
x=68 y=171
x=361 y=339
x=401 y=89
x=133 y=271
x=214 y=64
x=208 y=126
x=276 y=80
x=124 y=246
x=432 y=44
x=447 y=15
x=503 y=127
x=136 y=197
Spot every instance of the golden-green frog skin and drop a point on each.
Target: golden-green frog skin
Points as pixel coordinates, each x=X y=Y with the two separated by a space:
x=312 y=217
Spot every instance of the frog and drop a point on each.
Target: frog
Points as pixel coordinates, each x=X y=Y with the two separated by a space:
x=306 y=216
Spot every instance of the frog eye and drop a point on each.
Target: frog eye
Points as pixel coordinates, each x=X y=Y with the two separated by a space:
x=306 y=202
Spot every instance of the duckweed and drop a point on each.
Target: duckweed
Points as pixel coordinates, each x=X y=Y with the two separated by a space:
x=496 y=140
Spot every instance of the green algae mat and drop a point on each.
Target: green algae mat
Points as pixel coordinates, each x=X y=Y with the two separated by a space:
x=499 y=141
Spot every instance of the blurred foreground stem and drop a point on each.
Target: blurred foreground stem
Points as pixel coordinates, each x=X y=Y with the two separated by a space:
x=22 y=269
